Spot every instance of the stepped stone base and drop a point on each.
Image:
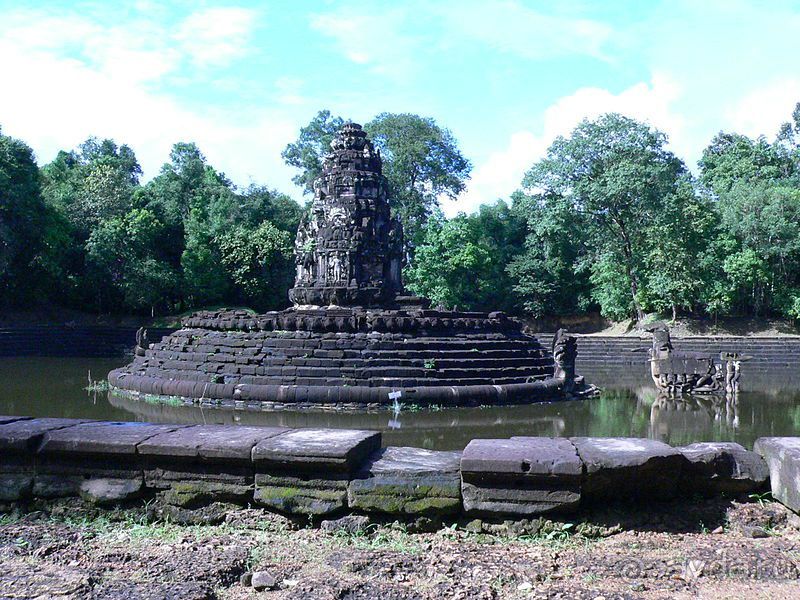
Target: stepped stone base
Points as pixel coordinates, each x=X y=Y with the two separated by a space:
x=340 y=356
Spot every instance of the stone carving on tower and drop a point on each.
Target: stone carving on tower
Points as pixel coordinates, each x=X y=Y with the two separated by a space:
x=348 y=250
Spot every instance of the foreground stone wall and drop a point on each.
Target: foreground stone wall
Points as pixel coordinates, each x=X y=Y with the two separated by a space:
x=315 y=473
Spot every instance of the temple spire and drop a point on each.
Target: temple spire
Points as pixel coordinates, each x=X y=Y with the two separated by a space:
x=348 y=250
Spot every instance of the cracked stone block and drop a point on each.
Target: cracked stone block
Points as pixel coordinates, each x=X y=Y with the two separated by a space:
x=716 y=467
x=410 y=481
x=629 y=468
x=520 y=476
x=25 y=435
x=782 y=455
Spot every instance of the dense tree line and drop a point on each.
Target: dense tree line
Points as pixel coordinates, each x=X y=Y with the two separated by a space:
x=83 y=232
x=608 y=220
x=611 y=220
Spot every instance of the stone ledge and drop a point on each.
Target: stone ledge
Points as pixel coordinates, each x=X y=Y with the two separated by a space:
x=321 y=472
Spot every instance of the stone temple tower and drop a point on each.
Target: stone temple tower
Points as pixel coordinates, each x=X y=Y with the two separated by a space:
x=352 y=337
x=348 y=250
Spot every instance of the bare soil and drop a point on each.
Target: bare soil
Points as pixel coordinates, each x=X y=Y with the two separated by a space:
x=731 y=326
x=697 y=549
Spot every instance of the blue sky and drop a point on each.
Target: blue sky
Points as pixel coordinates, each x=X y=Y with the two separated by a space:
x=506 y=77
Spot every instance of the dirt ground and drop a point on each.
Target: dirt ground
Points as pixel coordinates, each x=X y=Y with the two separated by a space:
x=699 y=549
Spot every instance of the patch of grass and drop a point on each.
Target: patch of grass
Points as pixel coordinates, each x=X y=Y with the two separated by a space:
x=98 y=386
x=430 y=363
x=763 y=499
x=394 y=539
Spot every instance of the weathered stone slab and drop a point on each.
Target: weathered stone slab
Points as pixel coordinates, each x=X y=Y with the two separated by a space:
x=410 y=481
x=210 y=442
x=625 y=468
x=716 y=467
x=312 y=496
x=106 y=491
x=520 y=476
x=316 y=449
x=782 y=455
x=14 y=486
x=531 y=457
x=8 y=419
x=25 y=435
x=102 y=437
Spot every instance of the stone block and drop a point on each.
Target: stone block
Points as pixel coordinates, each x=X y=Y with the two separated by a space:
x=8 y=419
x=25 y=435
x=321 y=495
x=340 y=450
x=716 y=467
x=102 y=437
x=14 y=486
x=782 y=455
x=520 y=476
x=629 y=468
x=410 y=481
x=104 y=491
x=208 y=442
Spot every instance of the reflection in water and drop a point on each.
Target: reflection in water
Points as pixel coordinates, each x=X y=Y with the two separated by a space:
x=55 y=387
x=694 y=416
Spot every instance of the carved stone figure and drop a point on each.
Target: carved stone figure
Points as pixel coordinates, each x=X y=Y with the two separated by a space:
x=676 y=373
x=565 y=351
x=142 y=343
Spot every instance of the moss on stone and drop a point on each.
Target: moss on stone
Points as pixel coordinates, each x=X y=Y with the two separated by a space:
x=188 y=494
x=303 y=501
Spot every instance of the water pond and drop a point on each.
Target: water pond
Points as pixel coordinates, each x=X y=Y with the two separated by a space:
x=56 y=387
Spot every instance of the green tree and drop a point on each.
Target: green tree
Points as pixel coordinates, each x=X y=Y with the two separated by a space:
x=94 y=183
x=614 y=174
x=21 y=223
x=452 y=264
x=260 y=263
x=313 y=144
x=422 y=162
x=680 y=234
x=122 y=259
x=550 y=274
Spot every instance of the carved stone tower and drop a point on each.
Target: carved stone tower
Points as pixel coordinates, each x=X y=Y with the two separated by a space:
x=348 y=250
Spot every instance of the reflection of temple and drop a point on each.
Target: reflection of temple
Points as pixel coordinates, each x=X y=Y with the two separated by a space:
x=352 y=337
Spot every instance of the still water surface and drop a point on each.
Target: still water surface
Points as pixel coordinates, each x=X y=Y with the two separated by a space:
x=54 y=387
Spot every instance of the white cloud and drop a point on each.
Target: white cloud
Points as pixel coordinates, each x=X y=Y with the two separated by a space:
x=75 y=78
x=216 y=36
x=514 y=28
x=764 y=110
x=502 y=172
x=373 y=40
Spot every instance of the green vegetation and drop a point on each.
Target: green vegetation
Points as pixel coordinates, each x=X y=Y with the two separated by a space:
x=608 y=220
x=611 y=220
